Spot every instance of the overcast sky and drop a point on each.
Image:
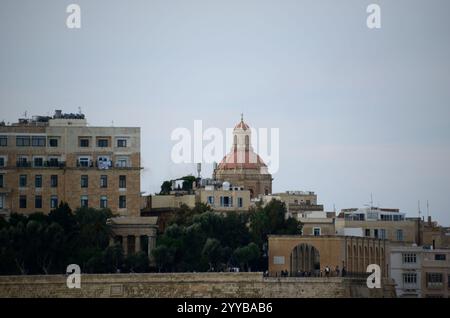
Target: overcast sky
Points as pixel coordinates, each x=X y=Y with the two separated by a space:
x=360 y=111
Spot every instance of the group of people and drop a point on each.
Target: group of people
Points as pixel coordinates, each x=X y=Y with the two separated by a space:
x=337 y=272
x=326 y=272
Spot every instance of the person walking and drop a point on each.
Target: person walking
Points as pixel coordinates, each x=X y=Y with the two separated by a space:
x=337 y=271
x=327 y=271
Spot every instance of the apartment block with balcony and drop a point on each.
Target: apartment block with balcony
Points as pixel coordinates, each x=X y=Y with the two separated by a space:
x=382 y=223
x=46 y=160
x=420 y=272
x=225 y=198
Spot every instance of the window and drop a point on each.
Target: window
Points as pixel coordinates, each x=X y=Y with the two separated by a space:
x=122 y=162
x=38 y=162
x=226 y=201
x=2 y=161
x=375 y=233
x=84 y=181
x=84 y=142
x=22 y=180
x=53 y=181
x=84 y=202
x=38 y=181
x=211 y=200
x=434 y=280
x=2 y=180
x=83 y=162
x=367 y=232
x=53 y=202
x=122 y=202
x=103 y=202
x=439 y=257
x=53 y=142
x=102 y=143
x=103 y=181
x=121 y=143
x=409 y=258
x=316 y=231
x=409 y=278
x=38 y=202
x=38 y=141
x=53 y=162
x=2 y=201
x=382 y=234
x=399 y=235
x=23 y=141
x=122 y=182
x=3 y=141
x=23 y=201
x=22 y=161
x=240 y=202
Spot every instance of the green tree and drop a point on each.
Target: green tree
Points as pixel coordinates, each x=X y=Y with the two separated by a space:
x=136 y=263
x=270 y=219
x=163 y=257
x=246 y=255
x=212 y=251
x=165 y=187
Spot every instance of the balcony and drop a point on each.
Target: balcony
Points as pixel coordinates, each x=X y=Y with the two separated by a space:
x=23 y=164
x=102 y=165
x=45 y=164
x=54 y=164
x=85 y=164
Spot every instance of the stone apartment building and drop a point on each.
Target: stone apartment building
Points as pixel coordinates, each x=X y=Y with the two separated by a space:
x=380 y=223
x=420 y=272
x=46 y=160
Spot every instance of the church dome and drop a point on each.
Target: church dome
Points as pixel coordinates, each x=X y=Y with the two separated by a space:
x=245 y=159
x=242 y=155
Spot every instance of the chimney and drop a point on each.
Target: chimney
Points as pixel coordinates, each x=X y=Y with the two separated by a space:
x=58 y=113
x=429 y=220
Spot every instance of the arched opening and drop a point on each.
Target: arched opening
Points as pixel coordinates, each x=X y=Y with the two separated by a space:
x=305 y=258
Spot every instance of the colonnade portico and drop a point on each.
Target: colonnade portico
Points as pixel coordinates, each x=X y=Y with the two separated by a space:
x=135 y=234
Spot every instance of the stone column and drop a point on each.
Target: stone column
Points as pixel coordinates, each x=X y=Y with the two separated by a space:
x=125 y=245
x=137 y=244
x=151 y=246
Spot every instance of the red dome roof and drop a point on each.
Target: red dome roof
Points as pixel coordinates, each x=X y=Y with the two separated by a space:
x=241 y=160
x=242 y=125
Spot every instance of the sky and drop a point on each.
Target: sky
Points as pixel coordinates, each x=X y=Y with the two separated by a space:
x=359 y=110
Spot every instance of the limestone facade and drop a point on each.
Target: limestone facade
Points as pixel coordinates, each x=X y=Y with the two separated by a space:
x=174 y=285
x=44 y=162
x=313 y=253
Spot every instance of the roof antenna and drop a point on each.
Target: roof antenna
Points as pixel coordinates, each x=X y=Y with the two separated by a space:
x=428 y=210
x=371 y=201
x=242 y=117
x=79 y=111
x=418 y=206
